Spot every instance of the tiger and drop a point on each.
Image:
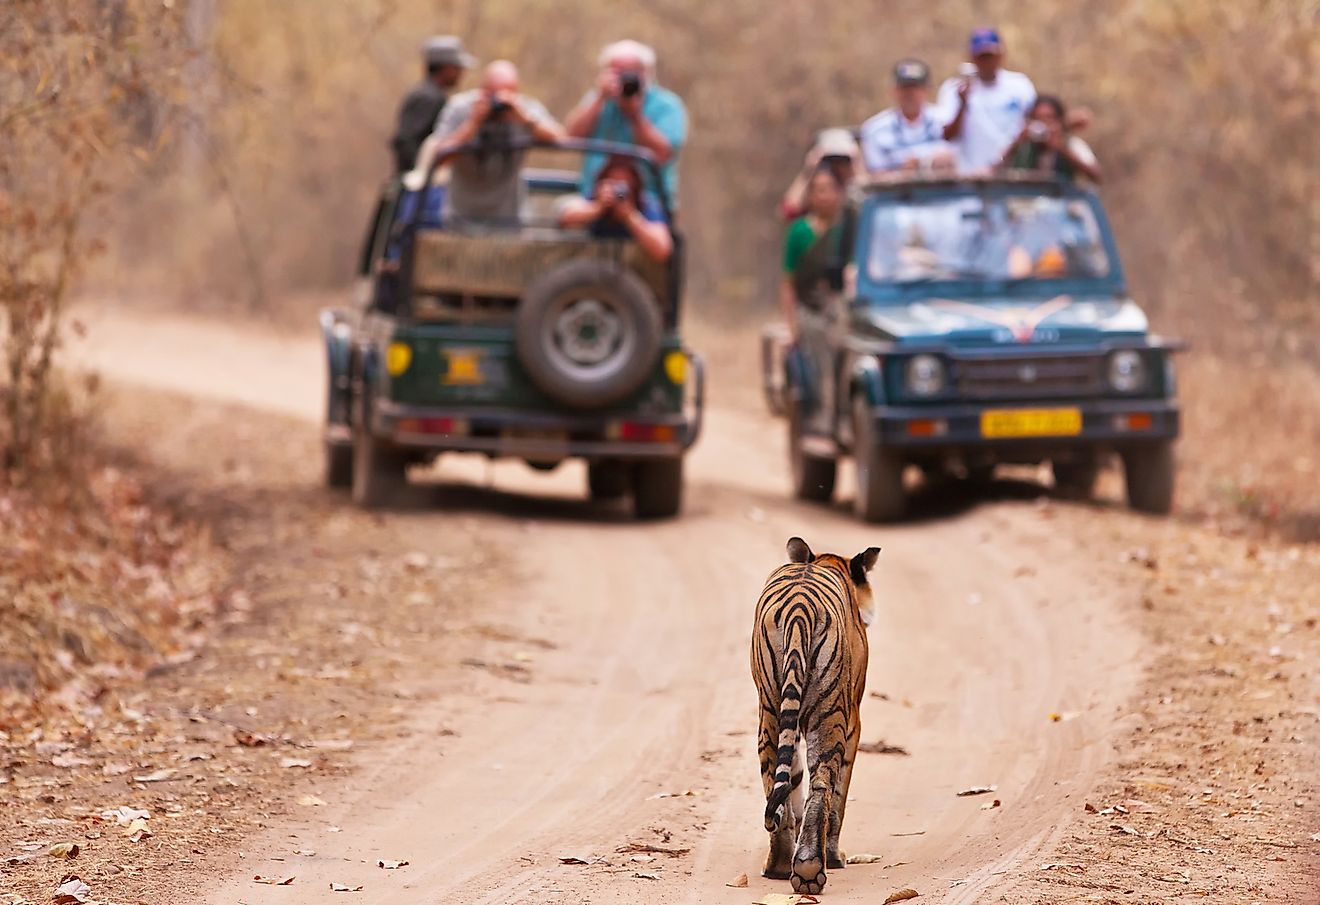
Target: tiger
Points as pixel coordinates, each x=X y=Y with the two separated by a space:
x=809 y=653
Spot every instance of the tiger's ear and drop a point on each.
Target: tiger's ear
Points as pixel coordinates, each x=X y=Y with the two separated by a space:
x=862 y=563
x=798 y=551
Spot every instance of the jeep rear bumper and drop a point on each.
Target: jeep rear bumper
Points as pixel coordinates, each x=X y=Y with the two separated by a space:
x=542 y=436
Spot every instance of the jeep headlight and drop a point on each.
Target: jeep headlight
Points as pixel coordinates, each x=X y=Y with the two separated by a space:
x=1127 y=371
x=925 y=375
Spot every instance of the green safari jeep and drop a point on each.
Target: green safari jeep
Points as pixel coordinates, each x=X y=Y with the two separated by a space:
x=518 y=339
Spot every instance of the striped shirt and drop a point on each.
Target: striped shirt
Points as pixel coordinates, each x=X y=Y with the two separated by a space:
x=889 y=140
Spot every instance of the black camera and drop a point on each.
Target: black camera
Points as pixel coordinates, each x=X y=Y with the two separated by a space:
x=498 y=108
x=630 y=84
x=617 y=189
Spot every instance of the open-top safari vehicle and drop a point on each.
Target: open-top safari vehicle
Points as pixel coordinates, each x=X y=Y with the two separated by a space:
x=517 y=339
x=958 y=324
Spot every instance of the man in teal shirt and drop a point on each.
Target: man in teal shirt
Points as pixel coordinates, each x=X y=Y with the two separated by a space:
x=628 y=106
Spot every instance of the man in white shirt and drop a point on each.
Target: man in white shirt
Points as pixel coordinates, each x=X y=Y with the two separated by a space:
x=910 y=133
x=984 y=113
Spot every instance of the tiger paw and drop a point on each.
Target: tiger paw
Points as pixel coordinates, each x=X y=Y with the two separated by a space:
x=808 y=876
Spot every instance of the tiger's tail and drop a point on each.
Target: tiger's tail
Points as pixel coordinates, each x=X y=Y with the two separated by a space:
x=797 y=633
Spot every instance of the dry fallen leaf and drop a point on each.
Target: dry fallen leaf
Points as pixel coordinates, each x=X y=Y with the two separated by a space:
x=738 y=882
x=990 y=805
x=977 y=790
x=289 y=762
x=880 y=747
x=250 y=739
x=780 y=898
x=342 y=887
x=72 y=891
x=311 y=801
x=686 y=793
x=391 y=865
x=157 y=776
x=901 y=896
x=642 y=875
x=572 y=859
x=863 y=859
x=137 y=830
x=274 y=881
x=124 y=815
x=65 y=850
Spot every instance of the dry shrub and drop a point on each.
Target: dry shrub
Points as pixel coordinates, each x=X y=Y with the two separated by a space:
x=71 y=105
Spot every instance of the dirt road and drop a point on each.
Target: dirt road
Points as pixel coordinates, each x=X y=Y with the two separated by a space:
x=990 y=621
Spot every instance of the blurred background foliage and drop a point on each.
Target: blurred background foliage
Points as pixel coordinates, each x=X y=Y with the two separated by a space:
x=1205 y=122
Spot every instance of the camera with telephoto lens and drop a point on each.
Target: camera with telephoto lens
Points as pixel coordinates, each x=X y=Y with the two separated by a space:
x=498 y=107
x=630 y=84
x=1038 y=132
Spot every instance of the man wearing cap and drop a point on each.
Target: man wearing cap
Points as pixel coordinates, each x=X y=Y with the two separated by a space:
x=984 y=111
x=445 y=62
x=629 y=106
x=910 y=133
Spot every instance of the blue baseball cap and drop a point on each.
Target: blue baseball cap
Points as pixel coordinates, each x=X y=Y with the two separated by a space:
x=985 y=40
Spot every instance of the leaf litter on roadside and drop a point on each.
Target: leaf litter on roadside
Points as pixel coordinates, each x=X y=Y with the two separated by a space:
x=977 y=790
x=901 y=895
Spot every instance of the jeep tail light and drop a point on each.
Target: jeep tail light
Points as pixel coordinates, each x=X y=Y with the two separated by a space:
x=638 y=432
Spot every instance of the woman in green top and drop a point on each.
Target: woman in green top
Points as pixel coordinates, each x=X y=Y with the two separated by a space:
x=824 y=201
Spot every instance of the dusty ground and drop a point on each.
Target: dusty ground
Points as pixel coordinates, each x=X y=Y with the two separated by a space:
x=502 y=677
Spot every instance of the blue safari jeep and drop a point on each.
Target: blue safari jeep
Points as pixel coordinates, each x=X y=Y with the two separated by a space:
x=965 y=323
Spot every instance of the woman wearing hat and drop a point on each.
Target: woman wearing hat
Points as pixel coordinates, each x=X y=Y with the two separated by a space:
x=834 y=148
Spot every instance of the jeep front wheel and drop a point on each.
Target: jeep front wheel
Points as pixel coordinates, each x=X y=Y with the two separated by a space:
x=880 y=495
x=1149 y=473
x=813 y=476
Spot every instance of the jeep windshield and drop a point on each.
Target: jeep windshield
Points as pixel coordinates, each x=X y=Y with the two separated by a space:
x=986 y=241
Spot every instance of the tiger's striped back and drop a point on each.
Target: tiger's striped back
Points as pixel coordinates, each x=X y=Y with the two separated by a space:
x=809 y=655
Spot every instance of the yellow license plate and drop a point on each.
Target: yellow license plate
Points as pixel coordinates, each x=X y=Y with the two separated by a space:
x=1031 y=423
x=462 y=367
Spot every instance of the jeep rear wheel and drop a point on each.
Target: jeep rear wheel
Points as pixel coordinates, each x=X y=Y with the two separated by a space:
x=1149 y=473
x=813 y=476
x=379 y=471
x=880 y=495
x=338 y=464
x=588 y=333
x=657 y=487
x=608 y=479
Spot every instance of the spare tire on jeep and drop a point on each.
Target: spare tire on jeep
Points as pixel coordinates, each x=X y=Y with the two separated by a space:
x=588 y=332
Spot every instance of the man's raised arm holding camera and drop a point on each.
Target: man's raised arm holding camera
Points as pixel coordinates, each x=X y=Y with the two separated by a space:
x=628 y=106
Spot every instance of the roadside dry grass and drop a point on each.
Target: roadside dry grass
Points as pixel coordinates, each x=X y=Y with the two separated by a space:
x=1214 y=795
x=314 y=658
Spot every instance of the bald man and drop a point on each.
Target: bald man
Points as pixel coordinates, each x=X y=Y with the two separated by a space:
x=487 y=185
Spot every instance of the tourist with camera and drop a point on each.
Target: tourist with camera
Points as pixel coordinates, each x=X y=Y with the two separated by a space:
x=985 y=105
x=486 y=183
x=835 y=148
x=1047 y=145
x=619 y=207
x=910 y=134
x=629 y=106
x=811 y=243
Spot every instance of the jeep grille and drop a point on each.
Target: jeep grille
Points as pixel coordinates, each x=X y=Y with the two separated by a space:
x=1029 y=377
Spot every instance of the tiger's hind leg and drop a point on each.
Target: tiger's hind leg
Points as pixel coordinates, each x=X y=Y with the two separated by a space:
x=779 y=862
x=834 y=858
x=809 y=858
